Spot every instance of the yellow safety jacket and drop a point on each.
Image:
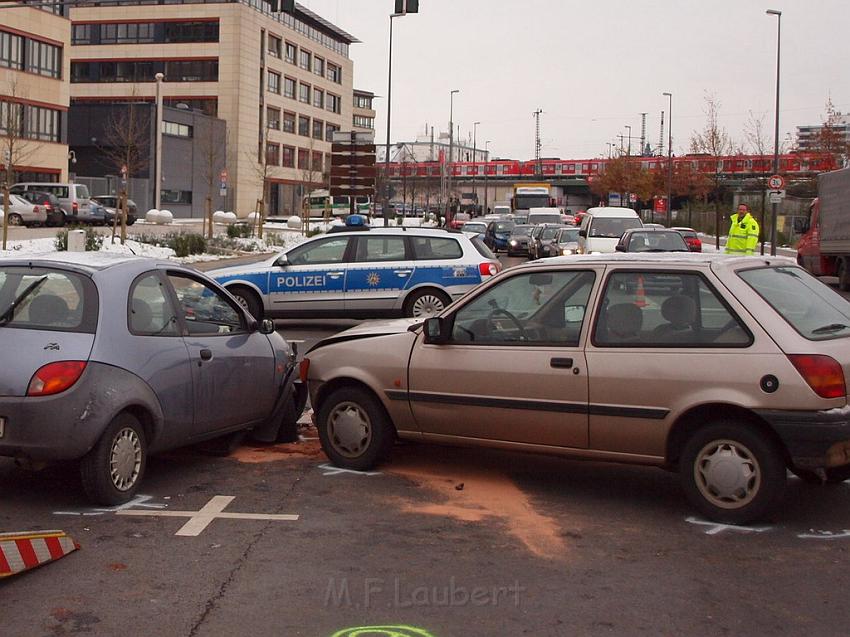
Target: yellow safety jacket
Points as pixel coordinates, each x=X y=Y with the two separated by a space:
x=743 y=235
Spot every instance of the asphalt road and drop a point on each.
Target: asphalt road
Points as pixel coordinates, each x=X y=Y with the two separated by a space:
x=444 y=542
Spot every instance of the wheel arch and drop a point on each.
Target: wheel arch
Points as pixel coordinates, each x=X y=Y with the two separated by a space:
x=241 y=283
x=349 y=382
x=424 y=287
x=697 y=417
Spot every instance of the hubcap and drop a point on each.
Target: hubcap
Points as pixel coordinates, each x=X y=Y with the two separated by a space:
x=125 y=459
x=727 y=474
x=242 y=301
x=15 y=220
x=427 y=305
x=349 y=429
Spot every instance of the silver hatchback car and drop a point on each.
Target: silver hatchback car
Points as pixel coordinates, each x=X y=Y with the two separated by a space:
x=111 y=358
x=727 y=370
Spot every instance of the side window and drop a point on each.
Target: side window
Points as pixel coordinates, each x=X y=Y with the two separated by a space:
x=377 y=248
x=436 y=248
x=529 y=309
x=325 y=251
x=150 y=310
x=665 y=309
x=206 y=311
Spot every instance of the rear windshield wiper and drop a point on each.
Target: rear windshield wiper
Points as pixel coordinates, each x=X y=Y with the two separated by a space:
x=832 y=327
x=6 y=316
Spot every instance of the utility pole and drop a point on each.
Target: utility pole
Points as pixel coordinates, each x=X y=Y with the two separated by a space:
x=661 y=137
x=643 y=134
x=451 y=153
x=538 y=164
x=474 y=166
x=629 y=149
x=486 y=192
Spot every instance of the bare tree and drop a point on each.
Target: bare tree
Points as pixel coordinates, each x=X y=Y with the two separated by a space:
x=262 y=163
x=714 y=141
x=213 y=151
x=830 y=138
x=15 y=147
x=126 y=148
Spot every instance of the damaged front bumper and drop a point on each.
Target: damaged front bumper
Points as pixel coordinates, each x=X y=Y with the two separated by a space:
x=814 y=439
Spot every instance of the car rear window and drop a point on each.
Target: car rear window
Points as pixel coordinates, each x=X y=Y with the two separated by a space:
x=503 y=226
x=813 y=309
x=82 y=191
x=436 y=248
x=482 y=248
x=46 y=299
x=612 y=227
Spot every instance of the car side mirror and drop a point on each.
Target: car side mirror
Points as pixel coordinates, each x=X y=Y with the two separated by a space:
x=620 y=247
x=282 y=261
x=582 y=233
x=267 y=326
x=436 y=330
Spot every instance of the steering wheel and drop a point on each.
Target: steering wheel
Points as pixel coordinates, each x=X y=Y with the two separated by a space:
x=503 y=312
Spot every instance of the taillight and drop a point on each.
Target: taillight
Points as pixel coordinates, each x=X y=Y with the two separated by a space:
x=36 y=210
x=823 y=374
x=303 y=369
x=54 y=378
x=75 y=207
x=488 y=268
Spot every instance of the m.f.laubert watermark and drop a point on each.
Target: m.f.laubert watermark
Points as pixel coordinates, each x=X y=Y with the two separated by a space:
x=373 y=592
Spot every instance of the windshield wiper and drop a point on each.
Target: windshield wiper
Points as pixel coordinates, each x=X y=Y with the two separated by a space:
x=6 y=316
x=832 y=327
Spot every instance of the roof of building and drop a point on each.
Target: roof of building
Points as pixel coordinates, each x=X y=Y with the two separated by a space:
x=325 y=25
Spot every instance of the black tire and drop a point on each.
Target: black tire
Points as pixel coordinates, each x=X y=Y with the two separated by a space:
x=288 y=431
x=835 y=475
x=249 y=300
x=126 y=436
x=760 y=485
x=426 y=303
x=353 y=451
x=15 y=219
x=843 y=276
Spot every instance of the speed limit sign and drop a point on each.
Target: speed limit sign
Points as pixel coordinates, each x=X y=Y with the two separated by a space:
x=776 y=182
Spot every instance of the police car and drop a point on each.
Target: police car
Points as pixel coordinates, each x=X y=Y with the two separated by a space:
x=359 y=272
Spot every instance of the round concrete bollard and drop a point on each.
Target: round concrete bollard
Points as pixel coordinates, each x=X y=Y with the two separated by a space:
x=293 y=222
x=253 y=217
x=230 y=217
x=165 y=217
x=152 y=215
x=219 y=216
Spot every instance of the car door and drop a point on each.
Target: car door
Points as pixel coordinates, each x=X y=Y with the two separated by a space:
x=381 y=268
x=232 y=365
x=312 y=277
x=513 y=368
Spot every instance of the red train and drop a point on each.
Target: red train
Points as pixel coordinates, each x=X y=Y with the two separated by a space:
x=791 y=164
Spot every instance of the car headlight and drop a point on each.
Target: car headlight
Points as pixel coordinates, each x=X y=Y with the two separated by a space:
x=566 y=251
x=513 y=242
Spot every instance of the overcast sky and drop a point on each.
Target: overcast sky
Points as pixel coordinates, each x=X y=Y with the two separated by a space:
x=593 y=66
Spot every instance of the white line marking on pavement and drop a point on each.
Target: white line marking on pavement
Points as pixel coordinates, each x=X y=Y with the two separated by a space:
x=717 y=527
x=824 y=535
x=201 y=519
x=330 y=470
x=138 y=501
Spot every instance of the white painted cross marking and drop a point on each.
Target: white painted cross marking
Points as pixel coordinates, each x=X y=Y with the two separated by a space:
x=717 y=527
x=138 y=501
x=201 y=519
x=330 y=470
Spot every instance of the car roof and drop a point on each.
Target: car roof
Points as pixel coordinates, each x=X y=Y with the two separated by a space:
x=708 y=259
x=434 y=232
x=83 y=261
x=611 y=211
x=649 y=229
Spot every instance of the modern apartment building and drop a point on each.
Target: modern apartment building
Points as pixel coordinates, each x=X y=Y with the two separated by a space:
x=364 y=112
x=34 y=66
x=282 y=82
x=808 y=137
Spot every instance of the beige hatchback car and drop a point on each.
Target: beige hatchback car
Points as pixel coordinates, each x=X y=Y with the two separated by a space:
x=728 y=370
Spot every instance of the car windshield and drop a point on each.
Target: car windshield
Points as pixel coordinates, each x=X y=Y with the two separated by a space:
x=42 y=299
x=612 y=227
x=568 y=236
x=810 y=307
x=549 y=233
x=474 y=227
x=482 y=248
x=503 y=226
x=657 y=242
x=521 y=231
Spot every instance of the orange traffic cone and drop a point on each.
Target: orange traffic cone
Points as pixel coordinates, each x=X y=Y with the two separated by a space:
x=640 y=293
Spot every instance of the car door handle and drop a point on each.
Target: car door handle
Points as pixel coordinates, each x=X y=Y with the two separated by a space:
x=335 y=275
x=402 y=272
x=565 y=363
x=206 y=354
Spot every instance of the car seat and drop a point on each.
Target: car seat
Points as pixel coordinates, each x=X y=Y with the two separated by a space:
x=680 y=312
x=623 y=323
x=141 y=317
x=48 y=309
x=637 y=244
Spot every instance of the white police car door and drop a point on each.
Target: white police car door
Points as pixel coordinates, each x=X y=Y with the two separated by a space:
x=381 y=268
x=313 y=279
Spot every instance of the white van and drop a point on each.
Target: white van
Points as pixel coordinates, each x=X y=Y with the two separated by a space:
x=601 y=228
x=74 y=199
x=536 y=216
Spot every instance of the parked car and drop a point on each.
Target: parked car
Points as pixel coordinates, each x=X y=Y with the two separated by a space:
x=119 y=357
x=546 y=241
x=691 y=238
x=363 y=272
x=55 y=216
x=567 y=241
x=651 y=240
x=74 y=198
x=498 y=233
x=730 y=371
x=22 y=212
x=98 y=214
x=458 y=220
x=477 y=227
x=110 y=202
x=519 y=240
x=538 y=216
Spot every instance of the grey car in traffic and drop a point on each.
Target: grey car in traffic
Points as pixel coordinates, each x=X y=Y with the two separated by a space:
x=118 y=357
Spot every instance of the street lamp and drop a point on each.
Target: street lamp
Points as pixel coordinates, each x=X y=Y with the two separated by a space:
x=774 y=205
x=474 y=159
x=157 y=178
x=670 y=160
x=629 y=150
x=486 y=159
x=451 y=151
x=386 y=203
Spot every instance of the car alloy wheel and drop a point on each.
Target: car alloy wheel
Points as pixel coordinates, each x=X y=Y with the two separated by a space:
x=15 y=220
x=125 y=459
x=727 y=474
x=349 y=429
x=426 y=304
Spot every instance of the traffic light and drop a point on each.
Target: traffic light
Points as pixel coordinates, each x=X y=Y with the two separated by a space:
x=287 y=6
x=407 y=6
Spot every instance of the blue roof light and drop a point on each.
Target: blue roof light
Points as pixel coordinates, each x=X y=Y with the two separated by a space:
x=355 y=220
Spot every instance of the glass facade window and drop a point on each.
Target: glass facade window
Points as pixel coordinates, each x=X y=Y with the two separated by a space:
x=304 y=126
x=318 y=98
x=330 y=129
x=124 y=33
x=287 y=157
x=334 y=103
x=207 y=106
x=288 y=122
x=303 y=159
x=273 y=154
x=274 y=46
x=177 y=130
x=363 y=101
x=273 y=118
x=177 y=196
x=191 y=71
x=11 y=51
x=195 y=31
x=364 y=122
x=144 y=71
x=305 y=59
x=334 y=73
x=316 y=165
x=289 y=88
x=145 y=32
x=30 y=122
x=82 y=33
x=318 y=66
x=304 y=93
x=274 y=82
x=318 y=129
x=291 y=52
x=32 y=56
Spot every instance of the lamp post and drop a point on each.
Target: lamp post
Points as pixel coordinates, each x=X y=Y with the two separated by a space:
x=385 y=207
x=670 y=160
x=486 y=193
x=157 y=178
x=475 y=168
x=774 y=205
x=629 y=148
x=451 y=153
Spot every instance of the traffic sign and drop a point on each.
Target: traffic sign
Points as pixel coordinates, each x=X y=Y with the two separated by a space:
x=776 y=196
x=352 y=160
x=223 y=175
x=776 y=182
x=344 y=172
x=345 y=137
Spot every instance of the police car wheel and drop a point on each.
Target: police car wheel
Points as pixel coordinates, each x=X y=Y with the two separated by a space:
x=425 y=303
x=248 y=300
